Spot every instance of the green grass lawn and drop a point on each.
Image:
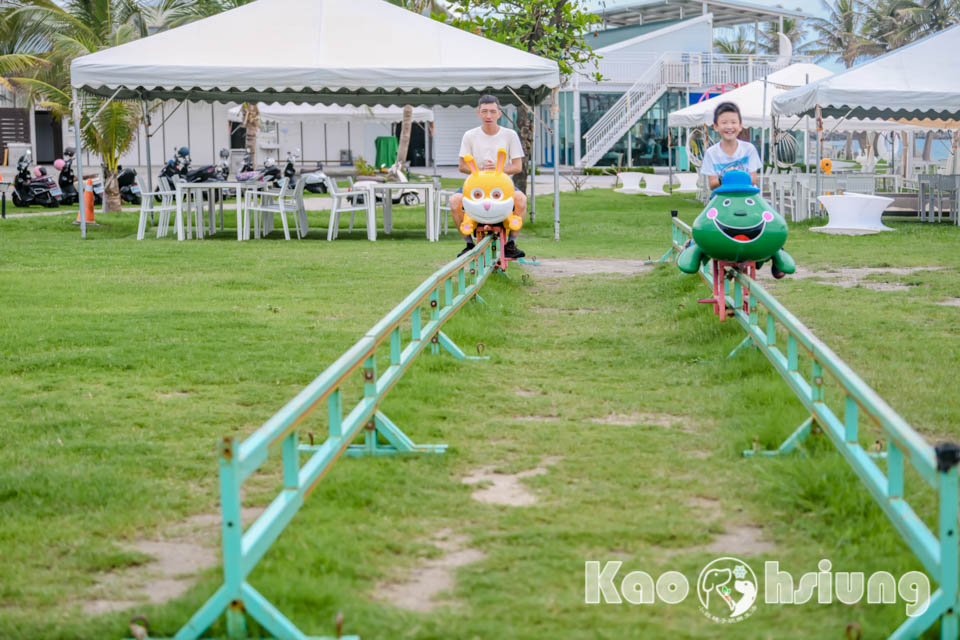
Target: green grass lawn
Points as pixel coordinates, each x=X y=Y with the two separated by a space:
x=124 y=362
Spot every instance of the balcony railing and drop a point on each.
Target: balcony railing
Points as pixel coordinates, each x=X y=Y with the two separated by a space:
x=691 y=70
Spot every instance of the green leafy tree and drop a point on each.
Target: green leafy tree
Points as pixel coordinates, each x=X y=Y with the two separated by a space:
x=553 y=29
x=840 y=35
x=794 y=29
x=21 y=45
x=893 y=23
x=737 y=43
x=67 y=31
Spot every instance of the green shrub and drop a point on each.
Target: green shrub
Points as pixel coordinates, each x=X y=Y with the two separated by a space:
x=613 y=170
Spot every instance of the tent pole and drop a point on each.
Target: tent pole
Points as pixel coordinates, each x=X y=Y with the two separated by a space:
x=81 y=186
x=670 y=158
x=555 y=112
x=213 y=136
x=433 y=146
x=146 y=136
x=763 y=130
x=532 y=205
x=303 y=153
x=819 y=148
x=953 y=162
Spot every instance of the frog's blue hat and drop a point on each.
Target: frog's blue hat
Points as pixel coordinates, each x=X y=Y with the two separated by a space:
x=736 y=182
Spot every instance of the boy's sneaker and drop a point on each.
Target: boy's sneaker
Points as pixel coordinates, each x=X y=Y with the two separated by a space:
x=511 y=251
x=466 y=249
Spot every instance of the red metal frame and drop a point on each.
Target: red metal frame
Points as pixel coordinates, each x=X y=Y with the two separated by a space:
x=502 y=259
x=719 y=299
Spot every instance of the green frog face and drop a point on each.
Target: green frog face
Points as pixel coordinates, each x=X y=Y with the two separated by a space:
x=739 y=227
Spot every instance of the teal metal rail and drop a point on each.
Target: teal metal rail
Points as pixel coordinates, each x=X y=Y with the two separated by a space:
x=938 y=552
x=444 y=292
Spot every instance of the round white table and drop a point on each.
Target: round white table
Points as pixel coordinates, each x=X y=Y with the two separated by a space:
x=854 y=212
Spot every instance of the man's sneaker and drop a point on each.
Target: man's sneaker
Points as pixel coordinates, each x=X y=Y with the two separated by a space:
x=511 y=251
x=466 y=249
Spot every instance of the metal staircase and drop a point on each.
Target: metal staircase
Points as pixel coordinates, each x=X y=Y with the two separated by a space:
x=672 y=69
x=625 y=112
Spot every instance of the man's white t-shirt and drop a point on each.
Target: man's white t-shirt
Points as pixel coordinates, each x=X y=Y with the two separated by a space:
x=484 y=147
x=717 y=163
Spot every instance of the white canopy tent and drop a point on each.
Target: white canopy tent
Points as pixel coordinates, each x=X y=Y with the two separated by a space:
x=321 y=113
x=754 y=113
x=916 y=84
x=340 y=52
x=291 y=114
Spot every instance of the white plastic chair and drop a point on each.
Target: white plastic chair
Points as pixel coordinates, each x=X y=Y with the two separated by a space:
x=630 y=182
x=148 y=205
x=304 y=226
x=688 y=183
x=260 y=201
x=344 y=201
x=192 y=207
x=655 y=184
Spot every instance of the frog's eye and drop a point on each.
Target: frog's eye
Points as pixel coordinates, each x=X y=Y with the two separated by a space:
x=496 y=194
x=476 y=194
x=727 y=202
x=749 y=202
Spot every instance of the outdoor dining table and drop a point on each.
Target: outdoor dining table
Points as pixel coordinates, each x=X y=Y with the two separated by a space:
x=428 y=189
x=184 y=187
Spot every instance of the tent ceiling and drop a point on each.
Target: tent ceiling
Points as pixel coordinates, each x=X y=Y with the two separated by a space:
x=331 y=113
x=347 y=52
x=913 y=83
x=727 y=13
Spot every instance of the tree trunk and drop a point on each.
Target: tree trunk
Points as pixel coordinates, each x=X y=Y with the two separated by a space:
x=927 y=146
x=905 y=151
x=404 y=144
x=251 y=124
x=111 y=191
x=525 y=126
x=848 y=147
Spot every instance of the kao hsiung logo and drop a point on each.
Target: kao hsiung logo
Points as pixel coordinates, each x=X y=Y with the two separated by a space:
x=729 y=591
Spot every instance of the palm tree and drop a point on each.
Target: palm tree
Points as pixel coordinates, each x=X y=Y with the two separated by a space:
x=77 y=28
x=739 y=44
x=894 y=23
x=840 y=35
x=884 y=23
x=20 y=44
x=794 y=29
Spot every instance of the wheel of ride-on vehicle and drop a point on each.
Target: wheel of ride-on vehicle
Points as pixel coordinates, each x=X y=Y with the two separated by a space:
x=410 y=198
x=17 y=202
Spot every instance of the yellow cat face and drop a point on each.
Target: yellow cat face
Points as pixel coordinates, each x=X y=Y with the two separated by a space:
x=488 y=195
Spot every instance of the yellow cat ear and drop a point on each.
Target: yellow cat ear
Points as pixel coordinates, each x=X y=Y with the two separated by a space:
x=501 y=160
x=472 y=164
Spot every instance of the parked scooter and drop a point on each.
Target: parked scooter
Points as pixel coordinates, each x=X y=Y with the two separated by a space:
x=289 y=170
x=269 y=173
x=37 y=189
x=316 y=181
x=66 y=178
x=399 y=196
x=129 y=189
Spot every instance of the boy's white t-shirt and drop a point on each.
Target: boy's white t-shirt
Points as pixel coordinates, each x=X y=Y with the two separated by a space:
x=717 y=163
x=484 y=147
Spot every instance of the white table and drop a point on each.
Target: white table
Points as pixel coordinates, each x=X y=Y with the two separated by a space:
x=386 y=189
x=856 y=212
x=210 y=187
